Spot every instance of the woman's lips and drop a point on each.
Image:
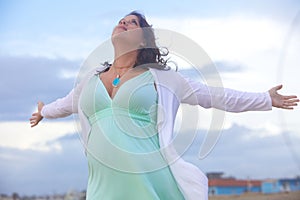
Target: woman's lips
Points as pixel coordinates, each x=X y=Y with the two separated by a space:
x=122 y=27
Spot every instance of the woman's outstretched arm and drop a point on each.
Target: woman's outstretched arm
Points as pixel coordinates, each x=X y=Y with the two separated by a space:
x=196 y=93
x=61 y=107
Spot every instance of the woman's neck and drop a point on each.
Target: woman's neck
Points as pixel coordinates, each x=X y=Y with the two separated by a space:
x=123 y=61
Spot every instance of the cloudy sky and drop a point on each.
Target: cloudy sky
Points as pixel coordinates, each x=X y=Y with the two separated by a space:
x=254 y=45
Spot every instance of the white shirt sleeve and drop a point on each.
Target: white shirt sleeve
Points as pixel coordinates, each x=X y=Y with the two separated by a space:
x=223 y=98
x=64 y=106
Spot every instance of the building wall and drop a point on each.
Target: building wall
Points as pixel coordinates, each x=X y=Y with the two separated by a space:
x=289 y=184
x=232 y=190
x=237 y=187
x=281 y=185
x=270 y=187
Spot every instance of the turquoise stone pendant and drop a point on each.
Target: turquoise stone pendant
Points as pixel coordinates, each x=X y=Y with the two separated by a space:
x=116 y=81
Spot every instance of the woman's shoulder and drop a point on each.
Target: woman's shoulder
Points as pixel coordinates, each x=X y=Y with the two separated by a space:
x=162 y=72
x=170 y=79
x=166 y=75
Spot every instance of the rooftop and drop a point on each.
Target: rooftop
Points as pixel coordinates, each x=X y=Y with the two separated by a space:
x=233 y=182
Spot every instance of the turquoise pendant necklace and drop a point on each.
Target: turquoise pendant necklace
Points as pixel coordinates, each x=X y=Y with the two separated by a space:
x=116 y=81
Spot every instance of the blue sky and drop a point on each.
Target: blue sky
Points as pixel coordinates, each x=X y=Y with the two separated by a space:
x=44 y=43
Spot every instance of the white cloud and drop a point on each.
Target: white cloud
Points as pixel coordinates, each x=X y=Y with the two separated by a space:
x=21 y=136
x=44 y=172
x=253 y=41
x=229 y=38
x=67 y=74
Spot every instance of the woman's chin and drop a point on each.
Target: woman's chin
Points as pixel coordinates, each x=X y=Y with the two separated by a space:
x=128 y=38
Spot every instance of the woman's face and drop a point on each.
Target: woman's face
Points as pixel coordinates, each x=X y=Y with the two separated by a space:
x=128 y=30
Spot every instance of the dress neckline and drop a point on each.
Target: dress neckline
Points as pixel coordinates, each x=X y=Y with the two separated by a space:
x=121 y=86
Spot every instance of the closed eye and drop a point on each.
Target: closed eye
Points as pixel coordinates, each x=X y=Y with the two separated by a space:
x=134 y=22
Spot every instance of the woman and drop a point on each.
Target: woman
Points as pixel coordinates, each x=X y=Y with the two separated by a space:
x=127 y=111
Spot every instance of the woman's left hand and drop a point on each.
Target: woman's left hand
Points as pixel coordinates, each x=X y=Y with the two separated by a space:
x=37 y=116
x=282 y=101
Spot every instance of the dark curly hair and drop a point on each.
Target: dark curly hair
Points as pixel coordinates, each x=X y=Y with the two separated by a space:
x=150 y=55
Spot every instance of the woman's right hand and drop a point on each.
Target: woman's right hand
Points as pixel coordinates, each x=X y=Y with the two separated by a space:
x=37 y=116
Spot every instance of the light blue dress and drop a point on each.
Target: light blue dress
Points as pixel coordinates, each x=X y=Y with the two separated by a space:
x=123 y=148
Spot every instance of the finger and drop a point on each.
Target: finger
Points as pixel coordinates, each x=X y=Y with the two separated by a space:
x=278 y=87
x=292 y=101
x=288 y=108
x=33 y=121
x=34 y=114
x=289 y=104
x=40 y=105
x=291 y=97
x=33 y=118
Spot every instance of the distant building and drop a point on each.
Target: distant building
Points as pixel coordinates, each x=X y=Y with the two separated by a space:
x=219 y=185
x=215 y=175
x=270 y=186
x=231 y=186
x=280 y=185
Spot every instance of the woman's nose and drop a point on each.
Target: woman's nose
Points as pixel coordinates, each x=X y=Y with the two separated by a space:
x=124 y=22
